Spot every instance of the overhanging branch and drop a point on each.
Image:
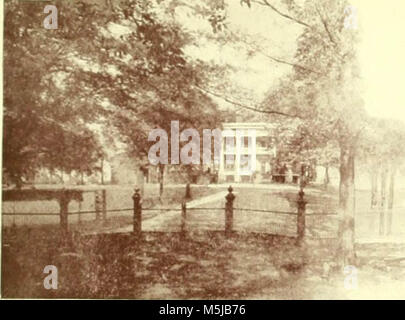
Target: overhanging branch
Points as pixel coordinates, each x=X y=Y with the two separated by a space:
x=296 y=20
x=278 y=60
x=325 y=25
x=268 y=4
x=251 y=108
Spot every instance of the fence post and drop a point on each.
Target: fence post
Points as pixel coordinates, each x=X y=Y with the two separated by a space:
x=80 y=215
x=301 y=216
x=188 y=192
x=183 y=217
x=97 y=205
x=229 y=211
x=137 y=213
x=64 y=203
x=104 y=204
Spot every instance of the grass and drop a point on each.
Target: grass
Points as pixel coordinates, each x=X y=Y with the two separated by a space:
x=161 y=265
x=200 y=265
x=197 y=265
x=118 y=197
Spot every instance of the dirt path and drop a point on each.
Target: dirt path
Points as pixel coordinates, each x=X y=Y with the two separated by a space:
x=171 y=220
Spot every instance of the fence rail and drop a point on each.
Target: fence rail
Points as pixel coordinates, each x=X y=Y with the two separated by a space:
x=267 y=211
x=166 y=209
x=101 y=213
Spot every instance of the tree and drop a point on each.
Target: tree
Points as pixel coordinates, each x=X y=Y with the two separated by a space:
x=37 y=116
x=327 y=84
x=321 y=92
x=381 y=152
x=126 y=69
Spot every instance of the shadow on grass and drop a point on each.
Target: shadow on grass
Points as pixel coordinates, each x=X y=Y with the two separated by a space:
x=159 y=266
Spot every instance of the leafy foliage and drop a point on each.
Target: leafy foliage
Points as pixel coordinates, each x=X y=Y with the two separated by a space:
x=124 y=68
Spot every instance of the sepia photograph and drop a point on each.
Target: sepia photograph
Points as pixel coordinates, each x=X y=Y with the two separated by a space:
x=215 y=150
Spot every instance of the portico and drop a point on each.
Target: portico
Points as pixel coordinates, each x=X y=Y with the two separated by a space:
x=246 y=152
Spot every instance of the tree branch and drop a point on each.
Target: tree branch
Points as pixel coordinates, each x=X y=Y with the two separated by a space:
x=268 y=4
x=325 y=25
x=243 y=106
x=278 y=59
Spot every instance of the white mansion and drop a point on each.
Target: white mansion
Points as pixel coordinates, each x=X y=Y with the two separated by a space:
x=247 y=150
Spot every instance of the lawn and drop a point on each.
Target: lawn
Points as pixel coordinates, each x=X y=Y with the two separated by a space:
x=200 y=265
x=254 y=263
x=118 y=197
x=161 y=265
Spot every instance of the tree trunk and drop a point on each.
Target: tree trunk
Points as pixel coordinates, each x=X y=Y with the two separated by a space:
x=384 y=172
x=18 y=182
x=374 y=186
x=161 y=176
x=326 y=179
x=347 y=205
x=102 y=170
x=140 y=181
x=391 y=199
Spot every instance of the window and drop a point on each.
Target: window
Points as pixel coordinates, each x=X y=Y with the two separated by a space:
x=229 y=161
x=262 y=142
x=229 y=145
x=230 y=179
x=246 y=164
x=246 y=142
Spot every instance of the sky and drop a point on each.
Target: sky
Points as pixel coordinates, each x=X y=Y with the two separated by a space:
x=256 y=74
x=382 y=56
x=381 y=51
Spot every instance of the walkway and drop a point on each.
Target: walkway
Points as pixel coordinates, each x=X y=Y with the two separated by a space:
x=171 y=220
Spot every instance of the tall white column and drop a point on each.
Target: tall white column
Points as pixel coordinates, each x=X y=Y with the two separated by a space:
x=252 y=151
x=222 y=159
x=238 y=137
